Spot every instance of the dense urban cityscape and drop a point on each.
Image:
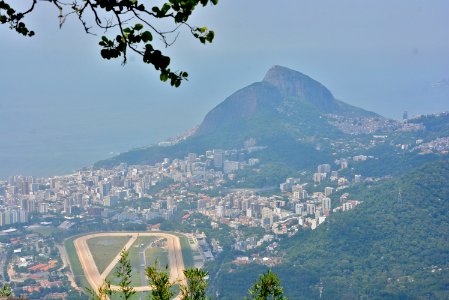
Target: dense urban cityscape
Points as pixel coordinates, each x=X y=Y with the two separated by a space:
x=144 y=194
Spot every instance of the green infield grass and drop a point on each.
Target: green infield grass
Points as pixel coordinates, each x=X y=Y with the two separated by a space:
x=105 y=248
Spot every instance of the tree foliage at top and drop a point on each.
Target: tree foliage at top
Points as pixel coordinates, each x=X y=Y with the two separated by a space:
x=160 y=283
x=268 y=287
x=5 y=291
x=196 y=285
x=134 y=25
x=123 y=272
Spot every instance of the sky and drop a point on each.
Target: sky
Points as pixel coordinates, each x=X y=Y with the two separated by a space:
x=62 y=107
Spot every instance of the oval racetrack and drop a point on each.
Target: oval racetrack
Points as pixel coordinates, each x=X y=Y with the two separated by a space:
x=95 y=279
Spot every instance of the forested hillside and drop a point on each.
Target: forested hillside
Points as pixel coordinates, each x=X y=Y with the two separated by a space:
x=393 y=246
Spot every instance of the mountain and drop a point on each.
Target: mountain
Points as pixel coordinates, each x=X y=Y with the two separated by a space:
x=393 y=246
x=287 y=112
x=288 y=98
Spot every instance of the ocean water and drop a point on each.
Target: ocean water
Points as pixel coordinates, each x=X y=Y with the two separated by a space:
x=46 y=138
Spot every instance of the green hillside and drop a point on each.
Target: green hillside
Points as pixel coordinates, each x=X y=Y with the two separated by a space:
x=389 y=247
x=283 y=112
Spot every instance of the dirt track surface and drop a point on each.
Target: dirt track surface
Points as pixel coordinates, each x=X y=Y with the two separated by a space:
x=95 y=279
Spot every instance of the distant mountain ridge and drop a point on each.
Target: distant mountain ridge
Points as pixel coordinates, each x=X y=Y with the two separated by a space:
x=285 y=109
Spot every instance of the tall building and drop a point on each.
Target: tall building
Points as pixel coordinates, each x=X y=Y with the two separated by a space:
x=317 y=177
x=220 y=211
x=328 y=191
x=34 y=187
x=24 y=187
x=324 y=168
x=14 y=216
x=105 y=188
x=311 y=208
x=43 y=208
x=299 y=208
x=405 y=115
x=2 y=218
x=67 y=206
x=170 y=202
x=284 y=187
x=230 y=166
x=24 y=204
x=326 y=204
x=23 y=216
x=218 y=158
x=110 y=201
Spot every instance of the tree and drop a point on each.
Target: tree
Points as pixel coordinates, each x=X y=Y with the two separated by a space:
x=196 y=285
x=103 y=293
x=5 y=291
x=268 y=287
x=134 y=27
x=123 y=273
x=160 y=283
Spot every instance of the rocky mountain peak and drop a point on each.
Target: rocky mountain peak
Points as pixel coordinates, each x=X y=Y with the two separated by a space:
x=292 y=83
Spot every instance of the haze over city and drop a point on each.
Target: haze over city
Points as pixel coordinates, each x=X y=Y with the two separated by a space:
x=62 y=107
x=306 y=156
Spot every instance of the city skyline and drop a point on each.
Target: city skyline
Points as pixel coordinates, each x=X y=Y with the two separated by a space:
x=58 y=108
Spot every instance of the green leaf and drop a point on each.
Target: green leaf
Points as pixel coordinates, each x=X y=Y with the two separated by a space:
x=164 y=77
x=147 y=36
x=138 y=26
x=105 y=53
x=4 y=5
x=165 y=8
x=210 y=36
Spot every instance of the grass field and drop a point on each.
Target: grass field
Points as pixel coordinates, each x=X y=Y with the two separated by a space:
x=187 y=253
x=136 y=296
x=155 y=253
x=45 y=231
x=75 y=264
x=138 y=275
x=104 y=249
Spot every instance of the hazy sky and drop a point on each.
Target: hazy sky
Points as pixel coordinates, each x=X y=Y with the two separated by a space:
x=63 y=107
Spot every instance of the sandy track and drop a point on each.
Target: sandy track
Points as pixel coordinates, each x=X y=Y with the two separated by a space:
x=95 y=279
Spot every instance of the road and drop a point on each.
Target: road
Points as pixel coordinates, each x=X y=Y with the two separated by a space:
x=95 y=279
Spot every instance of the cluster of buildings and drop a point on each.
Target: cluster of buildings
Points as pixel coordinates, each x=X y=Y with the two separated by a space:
x=298 y=206
x=369 y=125
x=103 y=192
x=142 y=193
x=363 y=125
x=34 y=267
x=439 y=145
